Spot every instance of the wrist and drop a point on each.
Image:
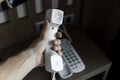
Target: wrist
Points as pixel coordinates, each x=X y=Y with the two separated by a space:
x=19 y=66
x=35 y=55
x=37 y=48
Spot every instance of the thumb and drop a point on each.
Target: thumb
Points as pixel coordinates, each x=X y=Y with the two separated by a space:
x=45 y=30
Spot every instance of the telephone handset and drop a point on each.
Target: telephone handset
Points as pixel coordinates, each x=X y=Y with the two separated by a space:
x=53 y=61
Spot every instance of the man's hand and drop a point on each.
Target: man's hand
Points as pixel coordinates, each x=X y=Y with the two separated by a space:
x=17 y=67
x=40 y=44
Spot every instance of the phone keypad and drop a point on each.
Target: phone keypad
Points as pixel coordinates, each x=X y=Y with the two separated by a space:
x=71 y=57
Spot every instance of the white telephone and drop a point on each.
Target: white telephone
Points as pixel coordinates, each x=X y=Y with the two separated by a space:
x=70 y=62
x=53 y=61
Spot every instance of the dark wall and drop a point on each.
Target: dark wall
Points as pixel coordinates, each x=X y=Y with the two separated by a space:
x=101 y=20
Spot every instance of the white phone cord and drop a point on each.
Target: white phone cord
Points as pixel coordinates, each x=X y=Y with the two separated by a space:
x=53 y=76
x=64 y=30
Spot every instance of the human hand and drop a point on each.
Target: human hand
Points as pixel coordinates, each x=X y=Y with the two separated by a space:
x=40 y=44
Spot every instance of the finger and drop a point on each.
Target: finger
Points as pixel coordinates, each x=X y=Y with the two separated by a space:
x=59 y=35
x=56 y=42
x=44 y=32
x=57 y=48
x=59 y=52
